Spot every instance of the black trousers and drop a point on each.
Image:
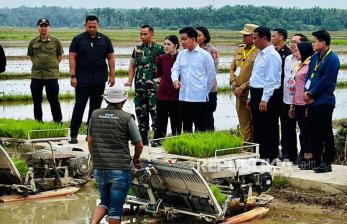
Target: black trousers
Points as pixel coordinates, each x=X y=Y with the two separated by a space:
x=288 y=134
x=304 y=136
x=167 y=109
x=82 y=94
x=265 y=124
x=321 y=132
x=52 y=93
x=212 y=106
x=193 y=113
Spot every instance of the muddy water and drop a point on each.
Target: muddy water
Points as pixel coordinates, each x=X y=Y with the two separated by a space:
x=78 y=209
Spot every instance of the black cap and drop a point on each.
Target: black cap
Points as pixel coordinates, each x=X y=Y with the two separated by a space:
x=43 y=21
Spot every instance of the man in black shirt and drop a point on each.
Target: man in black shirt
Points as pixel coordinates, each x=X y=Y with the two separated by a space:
x=288 y=125
x=2 y=60
x=88 y=71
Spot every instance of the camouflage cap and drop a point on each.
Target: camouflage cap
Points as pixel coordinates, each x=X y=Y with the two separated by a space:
x=248 y=29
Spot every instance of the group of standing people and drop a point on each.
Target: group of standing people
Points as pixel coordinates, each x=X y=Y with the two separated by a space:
x=293 y=85
x=271 y=82
x=180 y=86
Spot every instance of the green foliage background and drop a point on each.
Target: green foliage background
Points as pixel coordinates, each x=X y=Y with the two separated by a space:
x=227 y=17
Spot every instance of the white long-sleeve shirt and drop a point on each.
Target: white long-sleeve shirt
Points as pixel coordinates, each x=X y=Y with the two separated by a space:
x=196 y=72
x=266 y=72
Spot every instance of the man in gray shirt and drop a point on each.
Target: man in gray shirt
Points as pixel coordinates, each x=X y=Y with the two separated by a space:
x=109 y=132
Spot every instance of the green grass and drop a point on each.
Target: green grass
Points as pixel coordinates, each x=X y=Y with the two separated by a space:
x=202 y=145
x=21 y=165
x=28 y=97
x=280 y=182
x=19 y=129
x=218 y=194
x=341 y=85
x=339 y=42
x=129 y=37
x=13 y=75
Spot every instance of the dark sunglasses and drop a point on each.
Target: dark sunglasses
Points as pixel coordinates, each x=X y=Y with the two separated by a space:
x=43 y=25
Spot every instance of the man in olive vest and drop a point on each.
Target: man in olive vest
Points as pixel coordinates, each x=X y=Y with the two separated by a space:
x=240 y=72
x=109 y=132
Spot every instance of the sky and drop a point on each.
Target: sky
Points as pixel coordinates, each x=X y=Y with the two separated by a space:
x=172 y=4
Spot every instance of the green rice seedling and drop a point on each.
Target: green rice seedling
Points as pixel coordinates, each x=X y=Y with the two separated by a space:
x=28 y=97
x=19 y=129
x=21 y=165
x=131 y=192
x=203 y=144
x=218 y=194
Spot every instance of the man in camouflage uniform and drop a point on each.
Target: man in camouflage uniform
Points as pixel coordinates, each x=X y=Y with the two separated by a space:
x=143 y=67
x=240 y=72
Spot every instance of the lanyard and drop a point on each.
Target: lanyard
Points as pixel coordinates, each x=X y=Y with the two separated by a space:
x=245 y=56
x=318 y=64
x=304 y=63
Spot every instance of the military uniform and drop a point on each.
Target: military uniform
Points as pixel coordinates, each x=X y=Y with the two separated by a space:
x=240 y=72
x=144 y=59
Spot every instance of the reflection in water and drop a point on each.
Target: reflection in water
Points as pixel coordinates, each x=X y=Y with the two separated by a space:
x=76 y=208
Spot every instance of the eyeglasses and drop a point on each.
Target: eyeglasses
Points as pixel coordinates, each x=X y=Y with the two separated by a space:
x=43 y=25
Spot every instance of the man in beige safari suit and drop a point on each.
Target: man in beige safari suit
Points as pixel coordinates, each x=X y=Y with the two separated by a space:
x=240 y=72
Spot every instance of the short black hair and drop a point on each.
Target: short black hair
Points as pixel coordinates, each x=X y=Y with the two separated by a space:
x=150 y=28
x=190 y=31
x=322 y=35
x=263 y=31
x=92 y=18
x=204 y=30
x=173 y=39
x=282 y=32
x=302 y=36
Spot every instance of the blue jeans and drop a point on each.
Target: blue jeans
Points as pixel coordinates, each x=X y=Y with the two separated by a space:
x=113 y=186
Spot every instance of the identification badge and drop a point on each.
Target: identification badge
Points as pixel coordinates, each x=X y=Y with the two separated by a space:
x=237 y=72
x=308 y=84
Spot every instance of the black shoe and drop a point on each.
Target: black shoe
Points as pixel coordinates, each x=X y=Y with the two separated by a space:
x=324 y=167
x=155 y=143
x=73 y=141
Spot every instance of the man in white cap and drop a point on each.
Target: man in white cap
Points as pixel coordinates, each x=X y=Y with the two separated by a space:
x=109 y=132
x=240 y=72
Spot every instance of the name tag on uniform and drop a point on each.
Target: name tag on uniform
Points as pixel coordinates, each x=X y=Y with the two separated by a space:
x=308 y=84
x=237 y=72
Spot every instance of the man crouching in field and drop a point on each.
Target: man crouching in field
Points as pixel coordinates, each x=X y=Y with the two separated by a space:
x=109 y=132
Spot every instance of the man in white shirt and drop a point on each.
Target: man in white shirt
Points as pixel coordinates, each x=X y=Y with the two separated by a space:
x=264 y=96
x=193 y=74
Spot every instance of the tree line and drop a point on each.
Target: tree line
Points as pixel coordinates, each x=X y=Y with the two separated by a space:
x=227 y=17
